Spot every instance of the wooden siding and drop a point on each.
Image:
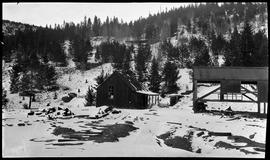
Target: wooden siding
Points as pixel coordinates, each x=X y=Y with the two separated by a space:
x=262 y=91
x=124 y=94
x=230 y=73
x=230 y=86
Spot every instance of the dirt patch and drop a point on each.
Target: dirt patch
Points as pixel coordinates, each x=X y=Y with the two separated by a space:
x=254 y=125
x=108 y=133
x=177 y=141
x=61 y=130
x=240 y=139
x=66 y=144
x=47 y=140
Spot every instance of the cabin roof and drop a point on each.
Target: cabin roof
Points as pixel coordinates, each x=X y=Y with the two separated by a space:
x=131 y=82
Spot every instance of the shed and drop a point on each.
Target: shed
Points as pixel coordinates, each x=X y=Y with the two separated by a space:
x=232 y=81
x=123 y=91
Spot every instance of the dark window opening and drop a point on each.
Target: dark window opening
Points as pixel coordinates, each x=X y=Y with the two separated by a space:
x=110 y=92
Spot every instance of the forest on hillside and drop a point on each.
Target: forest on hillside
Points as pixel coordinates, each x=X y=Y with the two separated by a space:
x=238 y=31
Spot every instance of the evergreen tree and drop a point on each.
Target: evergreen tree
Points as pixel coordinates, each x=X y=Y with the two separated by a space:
x=170 y=73
x=202 y=58
x=260 y=57
x=127 y=59
x=184 y=55
x=142 y=57
x=155 y=78
x=26 y=82
x=247 y=45
x=90 y=97
x=14 y=78
x=4 y=97
x=233 y=55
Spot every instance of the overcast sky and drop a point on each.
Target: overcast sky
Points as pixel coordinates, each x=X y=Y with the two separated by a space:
x=41 y=14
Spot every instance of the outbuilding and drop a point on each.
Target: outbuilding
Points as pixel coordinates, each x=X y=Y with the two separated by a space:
x=123 y=91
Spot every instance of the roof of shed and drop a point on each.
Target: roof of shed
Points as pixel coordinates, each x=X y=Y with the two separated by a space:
x=131 y=82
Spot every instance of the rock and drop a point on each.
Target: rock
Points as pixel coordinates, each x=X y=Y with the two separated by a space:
x=199 y=150
x=59 y=108
x=108 y=109
x=65 y=88
x=229 y=109
x=72 y=95
x=21 y=124
x=48 y=104
x=58 y=113
x=200 y=133
x=44 y=110
x=31 y=113
x=51 y=110
x=116 y=112
x=66 y=99
x=50 y=117
x=38 y=113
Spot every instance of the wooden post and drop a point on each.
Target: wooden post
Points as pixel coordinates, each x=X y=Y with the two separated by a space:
x=158 y=99
x=259 y=107
x=30 y=100
x=264 y=108
x=194 y=92
x=152 y=97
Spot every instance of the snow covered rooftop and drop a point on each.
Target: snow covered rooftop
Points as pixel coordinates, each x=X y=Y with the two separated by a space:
x=147 y=92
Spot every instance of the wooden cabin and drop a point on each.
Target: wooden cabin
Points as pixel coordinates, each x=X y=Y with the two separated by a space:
x=122 y=91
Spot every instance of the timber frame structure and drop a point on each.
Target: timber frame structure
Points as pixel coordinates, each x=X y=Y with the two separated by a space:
x=232 y=82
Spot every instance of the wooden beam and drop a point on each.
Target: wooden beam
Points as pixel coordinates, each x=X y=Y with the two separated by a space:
x=248 y=91
x=194 y=91
x=264 y=108
x=259 y=107
x=217 y=100
x=249 y=97
x=209 y=93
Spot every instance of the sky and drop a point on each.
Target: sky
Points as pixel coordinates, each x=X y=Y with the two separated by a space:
x=41 y=14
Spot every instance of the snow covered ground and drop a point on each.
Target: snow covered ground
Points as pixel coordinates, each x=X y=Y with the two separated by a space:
x=167 y=131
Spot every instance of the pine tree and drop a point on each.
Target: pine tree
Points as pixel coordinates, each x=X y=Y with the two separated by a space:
x=26 y=83
x=260 y=57
x=14 y=78
x=247 y=45
x=233 y=55
x=127 y=59
x=170 y=76
x=202 y=58
x=155 y=78
x=142 y=57
x=90 y=97
x=4 y=97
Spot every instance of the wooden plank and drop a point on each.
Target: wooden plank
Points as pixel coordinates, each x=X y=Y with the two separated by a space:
x=209 y=93
x=262 y=91
x=230 y=86
x=249 y=97
x=225 y=100
x=230 y=73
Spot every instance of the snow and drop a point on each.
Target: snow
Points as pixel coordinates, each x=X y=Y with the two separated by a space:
x=35 y=139
x=147 y=92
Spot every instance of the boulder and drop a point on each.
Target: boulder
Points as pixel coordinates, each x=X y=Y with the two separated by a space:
x=72 y=95
x=66 y=99
x=31 y=113
x=21 y=124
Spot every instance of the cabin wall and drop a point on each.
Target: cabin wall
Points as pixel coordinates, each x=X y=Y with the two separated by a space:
x=123 y=95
